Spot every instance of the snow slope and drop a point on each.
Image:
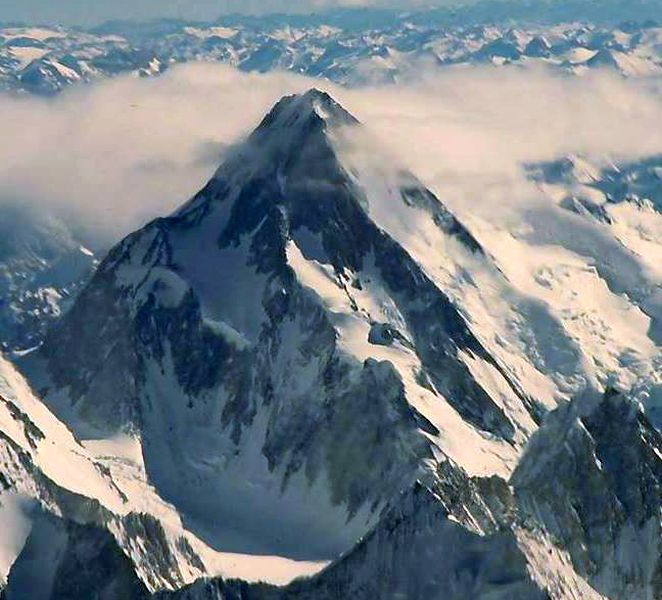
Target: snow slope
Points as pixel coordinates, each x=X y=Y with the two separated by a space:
x=50 y=481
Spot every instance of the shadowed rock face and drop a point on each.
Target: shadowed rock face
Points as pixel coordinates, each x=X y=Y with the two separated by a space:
x=589 y=485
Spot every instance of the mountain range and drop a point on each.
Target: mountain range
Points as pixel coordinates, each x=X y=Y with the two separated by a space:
x=347 y=47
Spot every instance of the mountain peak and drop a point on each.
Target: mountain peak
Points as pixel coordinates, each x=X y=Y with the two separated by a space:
x=302 y=160
x=309 y=111
x=291 y=144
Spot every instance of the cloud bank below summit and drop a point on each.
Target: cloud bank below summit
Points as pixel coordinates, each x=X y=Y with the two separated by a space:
x=114 y=155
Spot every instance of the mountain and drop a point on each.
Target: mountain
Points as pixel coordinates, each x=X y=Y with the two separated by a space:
x=588 y=506
x=274 y=317
x=341 y=46
x=314 y=360
x=592 y=478
x=43 y=265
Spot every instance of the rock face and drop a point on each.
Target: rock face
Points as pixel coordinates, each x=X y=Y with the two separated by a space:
x=301 y=384
x=592 y=477
x=580 y=518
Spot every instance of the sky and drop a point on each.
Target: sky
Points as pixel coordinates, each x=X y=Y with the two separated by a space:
x=87 y=12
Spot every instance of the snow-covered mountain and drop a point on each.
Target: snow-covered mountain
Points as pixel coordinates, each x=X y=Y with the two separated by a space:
x=315 y=360
x=585 y=510
x=334 y=46
x=269 y=314
x=43 y=265
x=46 y=60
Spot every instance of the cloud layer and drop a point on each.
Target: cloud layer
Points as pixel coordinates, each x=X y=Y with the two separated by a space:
x=120 y=152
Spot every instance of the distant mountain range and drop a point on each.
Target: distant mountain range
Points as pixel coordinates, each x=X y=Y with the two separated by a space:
x=349 y=47
x=43 y=264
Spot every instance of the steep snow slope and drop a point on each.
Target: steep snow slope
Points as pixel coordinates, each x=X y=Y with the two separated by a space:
x=562 y=298
x=575 y=300
x=53 y=488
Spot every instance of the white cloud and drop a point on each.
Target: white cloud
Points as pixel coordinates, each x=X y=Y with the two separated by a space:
x=120 y=152
x=467 y=132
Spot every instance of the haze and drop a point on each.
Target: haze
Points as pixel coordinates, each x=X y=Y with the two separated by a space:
x=84 y=12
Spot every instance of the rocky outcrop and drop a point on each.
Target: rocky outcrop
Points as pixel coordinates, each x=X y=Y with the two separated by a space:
x=592 y=478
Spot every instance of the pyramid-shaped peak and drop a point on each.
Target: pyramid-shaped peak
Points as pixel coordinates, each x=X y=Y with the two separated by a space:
x=318 y=99
x=291 y=144
x=305 y=111
x=294 y=132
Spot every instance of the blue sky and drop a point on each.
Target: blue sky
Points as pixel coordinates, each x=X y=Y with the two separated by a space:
x=94 y=11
